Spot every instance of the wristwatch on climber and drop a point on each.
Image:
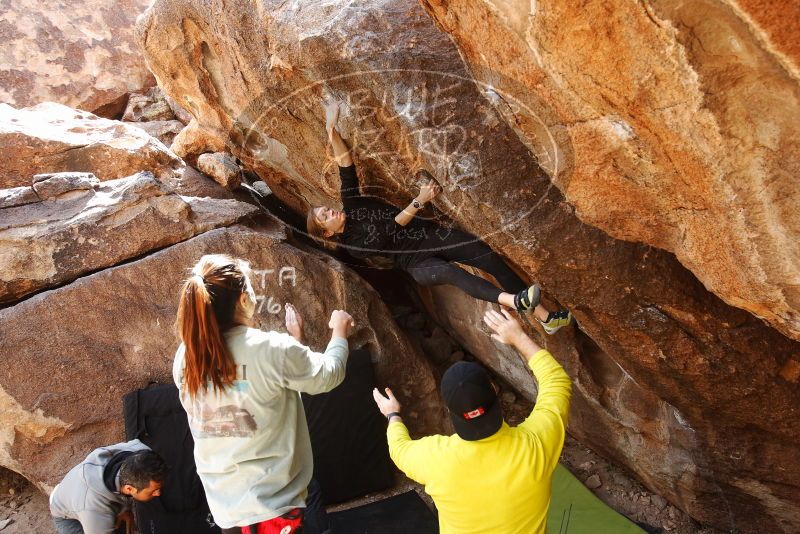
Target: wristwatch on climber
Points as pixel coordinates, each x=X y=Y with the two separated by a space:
x=416 y=203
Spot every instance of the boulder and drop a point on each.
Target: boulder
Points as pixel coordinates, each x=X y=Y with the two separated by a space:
x=52 y=138
x=196 y=184
x=83 y=56
x=675 y=124
x=17 y=196
x=653 y=339
x=47 y=186
x=222 y=168
x=153 y=113
x=79 y=348
x=82 y=225
x=164 y=131
x=151 y=106
x=179 y=111
x=193 y=141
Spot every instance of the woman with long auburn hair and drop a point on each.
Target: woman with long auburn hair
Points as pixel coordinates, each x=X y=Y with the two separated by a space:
x=241 y=388
x=379 y=233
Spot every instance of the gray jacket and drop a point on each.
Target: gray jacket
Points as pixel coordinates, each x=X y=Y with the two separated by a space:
x=82 y=495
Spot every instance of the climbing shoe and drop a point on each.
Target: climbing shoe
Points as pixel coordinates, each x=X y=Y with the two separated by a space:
x=556 y=320
x=527 y=299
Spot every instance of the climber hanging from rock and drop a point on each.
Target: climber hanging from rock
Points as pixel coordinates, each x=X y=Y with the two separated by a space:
x=370 y=228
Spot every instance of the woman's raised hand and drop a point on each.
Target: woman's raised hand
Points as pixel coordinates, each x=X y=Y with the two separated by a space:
x=294 y=322
x=341 y=323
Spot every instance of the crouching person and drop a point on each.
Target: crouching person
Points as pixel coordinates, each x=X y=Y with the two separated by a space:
x=488 y=477
x=95 y=496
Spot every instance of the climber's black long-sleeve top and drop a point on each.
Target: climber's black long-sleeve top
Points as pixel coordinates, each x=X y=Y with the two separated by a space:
x=370 y=228
x=422 y=248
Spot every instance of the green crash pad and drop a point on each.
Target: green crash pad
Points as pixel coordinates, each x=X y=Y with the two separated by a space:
x=575 y=510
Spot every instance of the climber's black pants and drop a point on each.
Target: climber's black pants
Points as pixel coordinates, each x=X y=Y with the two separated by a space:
x=432 y=267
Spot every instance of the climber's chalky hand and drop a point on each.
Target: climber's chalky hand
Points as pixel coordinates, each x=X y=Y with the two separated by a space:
x=331 y=114
x=428 y=191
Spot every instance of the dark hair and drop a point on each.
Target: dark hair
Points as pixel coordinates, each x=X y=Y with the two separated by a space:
x=140 y=468
x=207 y=308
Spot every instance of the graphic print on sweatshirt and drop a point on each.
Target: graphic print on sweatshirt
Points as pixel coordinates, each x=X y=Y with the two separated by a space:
x=224 y=416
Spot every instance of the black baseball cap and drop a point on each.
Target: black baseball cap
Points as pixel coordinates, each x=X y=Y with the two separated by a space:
x=474 y=407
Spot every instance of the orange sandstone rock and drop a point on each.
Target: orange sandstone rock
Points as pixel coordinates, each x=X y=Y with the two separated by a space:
x=581 y=143
x=80 y=53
